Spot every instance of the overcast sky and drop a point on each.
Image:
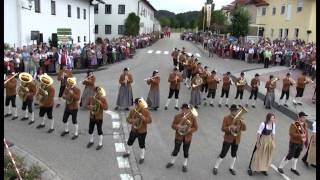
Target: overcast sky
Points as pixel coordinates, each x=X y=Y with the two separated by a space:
x=178 y=6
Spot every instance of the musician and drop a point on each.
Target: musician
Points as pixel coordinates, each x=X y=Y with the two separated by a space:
x=255 y=83
x=301 y=84
x=225 y=88
x=204 y=87
x=11 y=93
x=185 y=138
x=27 y=100
x=37 y=80
x=139 y=117
x=174 y=56
x=185 y=74
x=96 y=104
x=262 y=154
x=89 y=89
x=63 y=75
x=174 y=79
x=153 y=99
x=72 y=95
x=189 y=65
x=182 y=60
x=310 y=157
x=230 y=139
x=286 y=88
x=240 y=82
x=196 y=67
x=298 y=137
x=125 y=97
x=47 y=102
x=196 y=83
x=270 y=95
x=212 y=81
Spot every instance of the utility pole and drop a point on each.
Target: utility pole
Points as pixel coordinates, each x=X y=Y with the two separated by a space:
x=204 y=16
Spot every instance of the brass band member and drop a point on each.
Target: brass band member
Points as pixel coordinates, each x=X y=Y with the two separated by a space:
x=185 y=124
x=125 y=97
x=174 y=56
x=89 y=89
x=225 y=88
x=255 y=83
x=38 y=83
x=46 y=103
x=195 y=99
x=270 y=96
x=96 y=104
x=310 y=157
x=196 y=67
x=182 y=59
x=189 y=66
x=27 y=91
x=174 y=79
x=241 y=82
x=262 y=154
x=72 y=96
x=139 y=117
x=287 y=82
x=212 y=81
x=301 y=84
x=63 y=75
x=153 y=99
x=11 y=85
x=204 y=87
x=231 y=123
x=185 y=72
x=298 y=137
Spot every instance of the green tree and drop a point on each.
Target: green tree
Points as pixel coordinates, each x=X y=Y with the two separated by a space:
x=200 y=20
x=165 y=21
x=192 y=24
x=132 y=25
x=219 y=22
x=240 y=18
x=181 y=20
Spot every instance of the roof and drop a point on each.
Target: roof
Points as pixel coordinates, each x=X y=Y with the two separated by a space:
x=148 y=4
x=244 y=3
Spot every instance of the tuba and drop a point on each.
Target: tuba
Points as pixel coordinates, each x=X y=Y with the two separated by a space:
x=242 y=82
x=23 y=89
x=42 y=94
x=236 y=121
x=185 y=124
x=96 y=105
x=301 y=131
x=198 y=82
x=66 y=94
x=141 y=105
x=292 y=81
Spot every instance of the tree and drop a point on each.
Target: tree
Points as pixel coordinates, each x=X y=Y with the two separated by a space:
x=200 y=19
x=164 y=21
x=240 y=18
x=181 y=20
x=192 y=24
x=132 y=25
x=219 y=22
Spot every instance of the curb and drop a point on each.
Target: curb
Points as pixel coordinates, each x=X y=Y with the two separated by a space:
x=48 y=173
x=79 y=71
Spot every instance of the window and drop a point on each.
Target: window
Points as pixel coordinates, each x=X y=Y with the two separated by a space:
x=84 y=14
x=69 y=10
x=296 y=33
x=299 y=5
x=271 y=32
x=78 y=39
x=53 y=8
x=84 y=38
x=263 y=13
x=108 y=9
x=96 y=8
x=286 y=32
x=280 y=33
x=96 y=29
x=107 y=29
x=274 y=11
x=283 y=9
x=37 y=6
x=288 y=17
x=121 y=9
x=78 y=12
x=120 y=29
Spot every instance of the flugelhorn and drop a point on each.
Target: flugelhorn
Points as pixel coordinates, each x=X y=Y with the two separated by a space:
x=87 y=78
x=236 y=121
x=151 y=78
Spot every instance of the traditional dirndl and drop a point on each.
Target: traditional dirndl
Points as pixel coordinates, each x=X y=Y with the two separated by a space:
x=312 y=158
x=195 y=99
x=262 y=156
x=269 y=101
x=153 y=98
x=125 y=97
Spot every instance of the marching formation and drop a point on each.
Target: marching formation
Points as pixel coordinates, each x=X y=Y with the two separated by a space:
x=203 y=85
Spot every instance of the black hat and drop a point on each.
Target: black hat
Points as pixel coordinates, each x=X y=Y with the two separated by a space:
x=185 y=106
x=302 y=114
x=126 y=69
x=233 y=107
x=213 y=72
x=205 y=67
x=136 y=101
x=257 y=74
x=242 y=73
x=228 y=73
x=175 y=68
x=288 y=74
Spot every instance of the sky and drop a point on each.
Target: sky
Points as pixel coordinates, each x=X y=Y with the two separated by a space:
x=179 y=6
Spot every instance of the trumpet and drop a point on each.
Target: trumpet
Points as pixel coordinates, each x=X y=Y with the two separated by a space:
x=11 y=78
x=292 y=81
x=87 y=78
x=185 y=124
x=242 y=82
x=151 y=78
x=273 y=82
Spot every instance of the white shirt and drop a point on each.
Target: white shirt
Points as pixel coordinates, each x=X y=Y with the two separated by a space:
x=314 y=127
x=251 y=51
x=261 y=127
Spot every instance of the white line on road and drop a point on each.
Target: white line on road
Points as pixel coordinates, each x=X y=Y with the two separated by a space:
x=198 y=55
x=150 y=51
x=283 y=175
x=115 y=125
x=123 y=162
x=126 y=177
x=119 y=147
x=158 y=52
x=116 y=135
x=166 y=52
x=113 y=115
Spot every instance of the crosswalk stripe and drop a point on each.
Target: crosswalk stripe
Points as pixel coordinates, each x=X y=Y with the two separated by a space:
x=198 y=55
x=126 y=177
x=150 y=51
x=116 y=135
x=119 y=147
x=123 y=162
x=115 y=125
x=283 y=175
x=158 y=52
x=166 y=52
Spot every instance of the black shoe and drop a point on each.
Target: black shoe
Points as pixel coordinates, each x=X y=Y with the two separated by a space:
x=239 y=105
x=7 y=115
x=50 y=130
x=57 y=105
x=125 y=155
x=64 y=133
x=99 y=147
x=40 y=126
x=74 y=137
x=233 y=172
x=177 y=108
x=264 y=173
x=141 y=161
x=127 y=109
x=89 y=144
x=169 y=165
x=31 y=122
x=156 y=109
x=116 y=108
x=253 y=106
x=215 y=171
x=24 y=118
x=219 y=105
x=211 y=105
x=295 y=172
x=227 y=105
x=285 y=105
x=305 y=162
x=166 y=108
x=14 y=117
x=247 y=105
x=249 y=172
x=196 y=107
x=184 y=169
x=281 y=170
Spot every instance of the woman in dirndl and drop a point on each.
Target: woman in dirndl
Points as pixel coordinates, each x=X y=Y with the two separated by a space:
x=262 y=154
x=153 y=99
x=196 y=83
x=125 y=96
x=89 y=89
x=310 y=157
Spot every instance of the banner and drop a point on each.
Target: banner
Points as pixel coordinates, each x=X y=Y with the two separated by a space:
x=208 y=9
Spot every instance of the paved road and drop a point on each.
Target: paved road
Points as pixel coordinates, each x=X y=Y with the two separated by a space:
x=74 y=161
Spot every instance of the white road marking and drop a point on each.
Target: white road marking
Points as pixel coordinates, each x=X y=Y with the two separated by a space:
x=158 y=52
x=198 y=55
x=116 y=135
x=283 y=175
x=166 y=52
x=113 y=115
x=119 y=147
x=123 y=162
x=150 y=51
x=126 y=177
x=116 y=125
x=189 y=53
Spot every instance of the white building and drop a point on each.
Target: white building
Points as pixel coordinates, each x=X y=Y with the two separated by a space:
x=47 y=16
x=110 y=17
